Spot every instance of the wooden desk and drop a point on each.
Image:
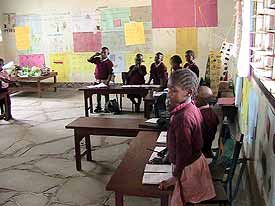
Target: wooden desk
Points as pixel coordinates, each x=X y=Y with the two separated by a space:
x=86 y=126
x=112 y=89
x=4 y=96
x=127 y=179
x=34 y=84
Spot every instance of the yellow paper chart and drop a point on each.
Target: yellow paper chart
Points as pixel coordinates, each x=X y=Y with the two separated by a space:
x=22 y=37
x=245 y=100
x=134 y=33
x=215 y=70
x=186 y=39
x=81 y=69
x=59 y=62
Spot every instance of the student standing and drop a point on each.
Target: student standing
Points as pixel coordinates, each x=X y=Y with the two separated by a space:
x=5 y=80
x=175 y=62
x=191 y=175
x=210 y=119
x=190 y=58
x=136 y=76
x=158 y=71
x=103 y=72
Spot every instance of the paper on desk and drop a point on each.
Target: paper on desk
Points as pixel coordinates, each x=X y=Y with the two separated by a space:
x=98 y=85
x=158 y=94
x=152 y=120
x=162 y=137
x=155 y=178
x=151 y=168
x=140 y=86
x=155 y=154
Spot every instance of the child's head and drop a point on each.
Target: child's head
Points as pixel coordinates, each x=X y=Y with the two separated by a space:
x=175 y=61
x=190 y=56
x=1 y=63
x=204 y=96
x=182 y=85
x=139 y=59
x=158 y=57
x=104 y=52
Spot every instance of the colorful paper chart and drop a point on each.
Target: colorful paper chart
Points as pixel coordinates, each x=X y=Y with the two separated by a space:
x=32 y=60
x=22 y=37
x=134 y=33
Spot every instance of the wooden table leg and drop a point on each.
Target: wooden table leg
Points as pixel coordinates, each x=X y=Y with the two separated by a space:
x=164 y=201
x=86 y=105
x=88 y=148
x=120 y=99
x=54 y=81
x=77 y=139
x=91 y=104
x=39 y=89
x=119 y=199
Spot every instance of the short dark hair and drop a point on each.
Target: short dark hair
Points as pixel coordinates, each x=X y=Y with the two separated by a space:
x=159 y=53
x=190 y=52
x=1 y=60
x=176 y=59
x=103 y=48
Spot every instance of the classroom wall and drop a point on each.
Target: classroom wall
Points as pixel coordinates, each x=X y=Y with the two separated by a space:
x=75 y=69
x=257 y=122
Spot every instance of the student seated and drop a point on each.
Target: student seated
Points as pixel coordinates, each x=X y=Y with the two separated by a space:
x=158 y=71
x=190 y=58
x=4 y=84
x=103 y=72
x=210 y=119
x=175 y=62
x=136 y=76
x=191 y=175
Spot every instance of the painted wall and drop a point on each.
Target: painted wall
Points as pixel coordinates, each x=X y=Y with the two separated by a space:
x=169 y=41
x=257 y=122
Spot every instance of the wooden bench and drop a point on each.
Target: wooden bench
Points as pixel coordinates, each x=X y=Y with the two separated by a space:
x=86 y=126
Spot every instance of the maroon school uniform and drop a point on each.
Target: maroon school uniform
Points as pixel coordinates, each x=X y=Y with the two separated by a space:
x=193 y=67
x=184 y=138
x=103 y=68
x=136 y=77
x=209 y=129
x=158 y=72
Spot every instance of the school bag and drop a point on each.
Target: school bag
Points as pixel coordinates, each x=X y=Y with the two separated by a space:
x=112 y=106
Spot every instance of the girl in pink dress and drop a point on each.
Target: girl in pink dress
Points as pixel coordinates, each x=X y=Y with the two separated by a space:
x=191 y=175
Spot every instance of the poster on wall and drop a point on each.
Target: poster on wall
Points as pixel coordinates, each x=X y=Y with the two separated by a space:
x=32 y=60
x=226 y=50
x=199 y=13
x=85 y=21
x=1 y=37
x=22 y=37
x=87 y=41
x=252 y=117
x=134 y=33
x=213 y=69
x=119 y=62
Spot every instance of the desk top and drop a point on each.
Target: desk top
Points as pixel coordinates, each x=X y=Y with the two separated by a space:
x=22 y=79
x=121 y=87
x=127 y=178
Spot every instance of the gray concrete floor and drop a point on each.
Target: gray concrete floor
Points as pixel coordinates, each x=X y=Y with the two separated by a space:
x=37 y=164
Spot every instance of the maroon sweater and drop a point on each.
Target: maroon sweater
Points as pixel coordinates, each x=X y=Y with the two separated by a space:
x=136 y=76
x=103 y=68
x=184 y=138
x=209 y=129
x=158 y=72
x=193 y=67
